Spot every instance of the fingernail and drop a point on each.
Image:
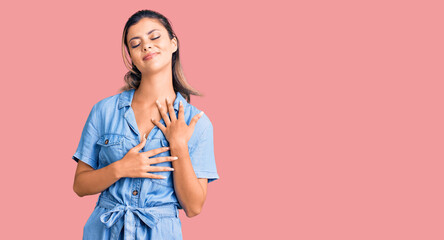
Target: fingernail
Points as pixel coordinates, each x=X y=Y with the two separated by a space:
x=171 y=169
x=164 y=177
x=174 y=158
x=201 y=113
x=180 y=102
x=167 y=147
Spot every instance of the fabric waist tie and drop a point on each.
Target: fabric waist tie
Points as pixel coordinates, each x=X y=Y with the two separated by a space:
x=149 y=215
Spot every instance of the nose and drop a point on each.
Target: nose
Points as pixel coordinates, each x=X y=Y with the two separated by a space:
x=146 y=46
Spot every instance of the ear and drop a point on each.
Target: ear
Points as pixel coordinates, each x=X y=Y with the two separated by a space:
x=174 y=42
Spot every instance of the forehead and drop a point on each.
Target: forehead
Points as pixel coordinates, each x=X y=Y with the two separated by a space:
x=143 y=26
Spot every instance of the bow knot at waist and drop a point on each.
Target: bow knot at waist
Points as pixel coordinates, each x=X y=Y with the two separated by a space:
x=148 y=215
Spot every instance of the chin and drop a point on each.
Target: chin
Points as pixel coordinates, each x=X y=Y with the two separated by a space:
x=151 y=70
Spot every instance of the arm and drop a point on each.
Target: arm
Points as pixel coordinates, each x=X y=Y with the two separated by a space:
x=88 y=181
x=134 y=164
x=191 y=191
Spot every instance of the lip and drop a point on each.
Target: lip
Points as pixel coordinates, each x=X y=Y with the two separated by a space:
x=149 y=56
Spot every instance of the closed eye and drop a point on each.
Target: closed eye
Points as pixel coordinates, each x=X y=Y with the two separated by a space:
x=151 y=39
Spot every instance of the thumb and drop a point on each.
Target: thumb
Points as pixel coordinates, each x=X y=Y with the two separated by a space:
x=141 y=144
x=195 y=119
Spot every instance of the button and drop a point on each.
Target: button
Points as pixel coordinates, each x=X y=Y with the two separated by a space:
x=135 y=192
x=106 y=141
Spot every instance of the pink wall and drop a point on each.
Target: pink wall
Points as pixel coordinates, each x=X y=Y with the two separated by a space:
x=328 y=115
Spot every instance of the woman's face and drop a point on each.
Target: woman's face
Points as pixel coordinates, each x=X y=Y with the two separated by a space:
x=149 y=36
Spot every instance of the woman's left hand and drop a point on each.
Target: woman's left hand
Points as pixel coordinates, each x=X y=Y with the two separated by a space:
x=176 y=131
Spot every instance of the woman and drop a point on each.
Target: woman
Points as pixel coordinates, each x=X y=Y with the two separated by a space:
x=130 y=139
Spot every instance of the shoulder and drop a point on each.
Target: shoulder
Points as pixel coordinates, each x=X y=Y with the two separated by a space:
x=106 y=104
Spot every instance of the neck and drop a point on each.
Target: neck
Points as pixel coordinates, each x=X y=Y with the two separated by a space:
x=153 y=87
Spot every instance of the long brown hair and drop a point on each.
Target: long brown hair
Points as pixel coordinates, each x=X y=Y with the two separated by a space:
x=133 y=76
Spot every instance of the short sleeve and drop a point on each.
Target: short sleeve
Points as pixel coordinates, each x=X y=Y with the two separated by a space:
x=87 y=150
x=202 y=156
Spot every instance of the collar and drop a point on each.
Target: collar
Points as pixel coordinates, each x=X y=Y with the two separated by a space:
x=126 y=97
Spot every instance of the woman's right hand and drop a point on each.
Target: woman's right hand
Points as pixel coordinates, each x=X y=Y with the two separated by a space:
x=137 y=164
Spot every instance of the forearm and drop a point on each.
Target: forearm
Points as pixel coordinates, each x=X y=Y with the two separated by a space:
x=186 y=185
x=95 y=181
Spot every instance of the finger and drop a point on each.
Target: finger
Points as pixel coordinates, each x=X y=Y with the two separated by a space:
x=195 y=119
x=160 y=169
x=142 y=143
x=161 y=159
x=163 y=113
x=171 y=110
x=181 y=111
x=150 y=175
x=155 y=151
x=159 y=125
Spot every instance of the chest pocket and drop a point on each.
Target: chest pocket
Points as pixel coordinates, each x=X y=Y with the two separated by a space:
x=111 y=148
x=158 y=143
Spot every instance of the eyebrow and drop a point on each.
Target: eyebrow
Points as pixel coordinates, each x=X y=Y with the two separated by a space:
x=147 y=34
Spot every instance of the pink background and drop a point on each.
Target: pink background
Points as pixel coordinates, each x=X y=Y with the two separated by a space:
x=328 y=115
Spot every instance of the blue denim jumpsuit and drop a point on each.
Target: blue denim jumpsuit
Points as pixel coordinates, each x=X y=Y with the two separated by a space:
x=138 y=208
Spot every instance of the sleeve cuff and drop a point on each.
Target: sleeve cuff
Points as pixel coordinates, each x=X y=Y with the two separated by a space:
x=91 y=162
x=211 y=176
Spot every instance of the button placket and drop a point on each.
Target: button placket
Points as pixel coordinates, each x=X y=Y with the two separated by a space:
x=135 y=193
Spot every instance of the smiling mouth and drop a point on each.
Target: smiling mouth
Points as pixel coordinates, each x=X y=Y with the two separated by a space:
x=150 y=56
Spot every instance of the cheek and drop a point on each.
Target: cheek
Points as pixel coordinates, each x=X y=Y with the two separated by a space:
x=135 y=59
